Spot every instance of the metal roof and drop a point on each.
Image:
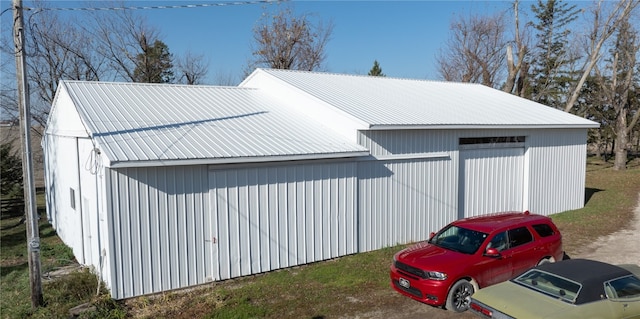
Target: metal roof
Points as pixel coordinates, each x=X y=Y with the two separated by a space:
x=143 y=123
x=397 y=103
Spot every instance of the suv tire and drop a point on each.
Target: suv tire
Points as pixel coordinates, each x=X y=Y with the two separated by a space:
x=459 y=296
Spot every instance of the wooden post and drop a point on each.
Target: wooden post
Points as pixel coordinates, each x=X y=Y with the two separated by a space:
x=33 y=235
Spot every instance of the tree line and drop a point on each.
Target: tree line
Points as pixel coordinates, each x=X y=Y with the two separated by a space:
x=582 y=60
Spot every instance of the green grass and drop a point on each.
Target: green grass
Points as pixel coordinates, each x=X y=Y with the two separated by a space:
x=59 y=295
x=334 y=288
x=612 y=196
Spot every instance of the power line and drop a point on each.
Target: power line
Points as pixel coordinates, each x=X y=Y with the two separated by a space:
x=182 y=6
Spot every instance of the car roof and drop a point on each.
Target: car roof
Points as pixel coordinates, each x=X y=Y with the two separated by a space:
x=591 y=274
x=492 y=222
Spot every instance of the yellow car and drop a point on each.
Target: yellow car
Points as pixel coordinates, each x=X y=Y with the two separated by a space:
x=576 y=288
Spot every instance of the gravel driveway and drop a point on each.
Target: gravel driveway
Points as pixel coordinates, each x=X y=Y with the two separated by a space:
x=621 y=247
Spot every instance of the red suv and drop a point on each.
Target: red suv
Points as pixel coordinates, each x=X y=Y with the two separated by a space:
x=473 y=253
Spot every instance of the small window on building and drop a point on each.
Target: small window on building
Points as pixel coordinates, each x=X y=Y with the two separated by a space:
x=72 y=193
x=491 y=140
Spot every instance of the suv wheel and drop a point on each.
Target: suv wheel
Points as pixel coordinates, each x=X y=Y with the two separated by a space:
x=545 y=261
x=459 y=296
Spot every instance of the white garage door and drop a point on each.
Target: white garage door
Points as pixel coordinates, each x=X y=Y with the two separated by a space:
x=491 y=180
x=266 y=218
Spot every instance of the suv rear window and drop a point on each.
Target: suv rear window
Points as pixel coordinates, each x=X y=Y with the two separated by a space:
x=543 y=230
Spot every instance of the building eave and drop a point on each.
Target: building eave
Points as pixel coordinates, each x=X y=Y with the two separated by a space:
x=236 y=160
x=384 y=127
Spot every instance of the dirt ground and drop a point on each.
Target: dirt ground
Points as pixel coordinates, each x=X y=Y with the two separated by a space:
x=622 y=247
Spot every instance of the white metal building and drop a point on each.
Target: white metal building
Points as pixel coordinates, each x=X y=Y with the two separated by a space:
x=162 y=187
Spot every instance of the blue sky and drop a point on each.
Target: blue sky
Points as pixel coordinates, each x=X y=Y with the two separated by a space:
x=403 y=36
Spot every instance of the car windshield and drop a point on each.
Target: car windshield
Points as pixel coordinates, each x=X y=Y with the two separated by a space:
x=459 y=239
x=550 y=284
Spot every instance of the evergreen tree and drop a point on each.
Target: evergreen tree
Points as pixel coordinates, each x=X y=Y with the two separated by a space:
x=551 y=76
x=376 y=70
x=154 y=64
x=11 y=172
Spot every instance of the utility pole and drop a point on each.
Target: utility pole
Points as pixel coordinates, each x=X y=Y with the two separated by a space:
x=33 y=235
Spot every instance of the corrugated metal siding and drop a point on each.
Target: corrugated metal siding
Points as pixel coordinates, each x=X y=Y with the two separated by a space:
x=403 y=201
x=492 y=180
x=557 y=160
x=408 y=141
x=159 y=229
x=265 y=218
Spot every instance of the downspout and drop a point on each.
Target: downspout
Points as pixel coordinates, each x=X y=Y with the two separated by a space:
x=44 y=143
x=101 y=254
x=79 y=201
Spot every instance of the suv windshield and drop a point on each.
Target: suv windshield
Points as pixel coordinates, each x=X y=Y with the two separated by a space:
x=459 y=239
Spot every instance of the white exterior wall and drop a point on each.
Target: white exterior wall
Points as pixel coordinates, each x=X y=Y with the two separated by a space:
x=156 y=229
x=159 y=229
x=175 y=227
x=415 y=186
x=557 y=165
x=402 y=201
x=410 y=190
x=67 y=168
x=62 y=175
x=276 y=216
x=71 y=163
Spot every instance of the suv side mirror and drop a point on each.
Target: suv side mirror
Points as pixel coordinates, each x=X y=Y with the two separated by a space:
x=492 y=252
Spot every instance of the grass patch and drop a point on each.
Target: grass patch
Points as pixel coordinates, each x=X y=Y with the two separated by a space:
x=59 y=294
x=344 y=286
x=611 y=196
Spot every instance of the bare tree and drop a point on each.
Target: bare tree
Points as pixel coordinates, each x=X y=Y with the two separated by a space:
x=121 y=36
x=226 y=78
x=517 y=68
x=616 y=89
x=8 y=89
x=103 y=44
x=474 y=51
x=191 y=68
x=286 y=41
x=603 y=29
x=56 y=49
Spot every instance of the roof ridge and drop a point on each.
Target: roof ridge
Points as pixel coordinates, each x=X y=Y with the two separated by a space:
x=141 y=84
x=366 y=76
